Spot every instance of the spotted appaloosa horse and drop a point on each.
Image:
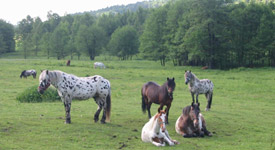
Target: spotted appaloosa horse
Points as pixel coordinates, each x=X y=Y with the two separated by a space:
x=26 y=73
x=151 y=92
x=72 y=87
x=191 y=123
x=196 y=86
x=99 y=64
x=154 y=131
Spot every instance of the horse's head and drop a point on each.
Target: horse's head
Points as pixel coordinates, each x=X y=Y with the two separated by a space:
x=194 y=114
x=171 y=86
x=44 y=81
x=187 y=76
x=22 y=73
x=161 y=116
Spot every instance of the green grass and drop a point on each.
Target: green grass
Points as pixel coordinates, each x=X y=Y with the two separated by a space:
x=242 y=114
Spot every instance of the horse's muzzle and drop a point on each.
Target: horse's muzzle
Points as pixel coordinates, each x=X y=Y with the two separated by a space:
x=186 y=82
x=41 y=91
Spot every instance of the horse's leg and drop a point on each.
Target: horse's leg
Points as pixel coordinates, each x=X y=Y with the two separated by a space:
x=197 y=98
x=192 y=94
x=209 y=98
x=169 y=140
x=188 y=135
x=99 y=108
x=158 y=144
x=167 y=112
x=148 y=109
x=157 y=141
x=97 y=114
x=104 y=113
x=67 y=105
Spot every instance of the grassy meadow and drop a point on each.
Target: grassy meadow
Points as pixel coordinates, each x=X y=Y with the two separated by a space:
x=242 y=115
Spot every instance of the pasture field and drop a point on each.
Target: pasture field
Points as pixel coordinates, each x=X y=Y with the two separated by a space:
x=242 y=115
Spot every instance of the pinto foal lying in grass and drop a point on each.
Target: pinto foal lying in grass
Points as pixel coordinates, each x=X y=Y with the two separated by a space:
x=154 y=131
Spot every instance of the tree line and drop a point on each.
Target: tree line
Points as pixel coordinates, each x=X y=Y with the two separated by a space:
x=219 y=34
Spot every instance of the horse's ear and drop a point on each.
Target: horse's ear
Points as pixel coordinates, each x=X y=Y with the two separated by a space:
x=167 y=78
x=47 y=72
x=198 y=104
x=41 y=70
x=173 y=79
x=192 y=104
x=159 y=110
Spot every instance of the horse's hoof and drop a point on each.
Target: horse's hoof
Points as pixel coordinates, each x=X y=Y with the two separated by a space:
x=209 y=134
x=176 y=142
x=207 y=109
x=67 y=122
x=102 y=122
x=96 y=120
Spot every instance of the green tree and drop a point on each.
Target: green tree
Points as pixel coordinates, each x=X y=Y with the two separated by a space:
x=152 y=40
x=25 y=28
x=36 y=34
x=90 y=40
x=60 y=39
x=124 y=42
x=7 y=43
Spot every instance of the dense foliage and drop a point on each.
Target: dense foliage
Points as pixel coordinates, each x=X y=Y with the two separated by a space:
x=7 y=43
x=30 y=95
x=215 y=33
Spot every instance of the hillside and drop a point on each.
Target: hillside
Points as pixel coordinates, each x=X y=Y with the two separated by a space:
x=131 y=7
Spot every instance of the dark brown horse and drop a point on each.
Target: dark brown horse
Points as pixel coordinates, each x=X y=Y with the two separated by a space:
x=151 y=92
x=68 y=62
x=191 y=123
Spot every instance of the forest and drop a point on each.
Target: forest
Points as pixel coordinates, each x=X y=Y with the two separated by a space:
x=219 y=34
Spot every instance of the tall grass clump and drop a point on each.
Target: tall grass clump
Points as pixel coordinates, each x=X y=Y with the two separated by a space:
x=31 y=95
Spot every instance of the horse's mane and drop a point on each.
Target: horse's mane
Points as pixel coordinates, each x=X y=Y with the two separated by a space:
x=194 y=76
x=186 y=110
x=154 y=119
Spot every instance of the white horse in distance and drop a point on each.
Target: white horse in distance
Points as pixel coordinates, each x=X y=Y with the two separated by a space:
x=99 y=65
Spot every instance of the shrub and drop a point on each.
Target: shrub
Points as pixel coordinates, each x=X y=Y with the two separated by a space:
x=31 y=95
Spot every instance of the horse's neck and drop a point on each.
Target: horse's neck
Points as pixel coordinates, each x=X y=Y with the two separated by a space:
x=163 y=88
x=54 y=77
x=193 y=80
x=155 y=125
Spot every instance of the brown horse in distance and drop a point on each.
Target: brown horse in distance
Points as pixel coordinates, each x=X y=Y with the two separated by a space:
x=151 y=92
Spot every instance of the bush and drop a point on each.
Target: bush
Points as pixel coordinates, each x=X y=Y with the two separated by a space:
x=31 y=95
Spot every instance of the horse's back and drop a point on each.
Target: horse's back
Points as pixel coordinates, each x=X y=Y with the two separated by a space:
x=150 y=89
x=150 y=85
x=208 y=84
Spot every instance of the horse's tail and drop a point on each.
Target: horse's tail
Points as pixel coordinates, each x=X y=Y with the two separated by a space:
x=211 y=96
x=143 y=104
x=108 y=111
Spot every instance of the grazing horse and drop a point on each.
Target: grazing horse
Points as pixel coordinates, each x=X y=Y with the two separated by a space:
x=26 y=73
x=196 y=86
x=151 y=92
x=72 y=87
x=154 y=131
x=99 y=64
x=191 y=123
